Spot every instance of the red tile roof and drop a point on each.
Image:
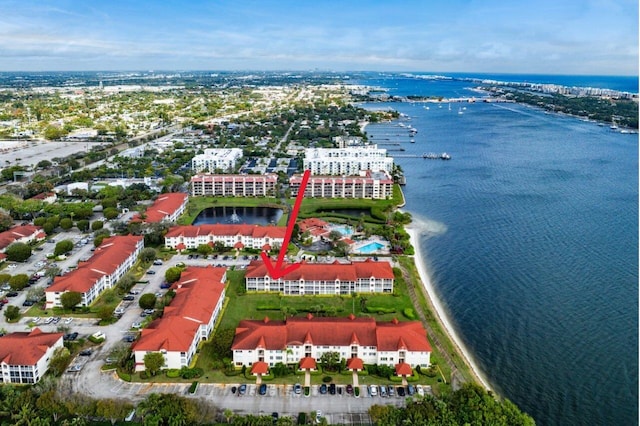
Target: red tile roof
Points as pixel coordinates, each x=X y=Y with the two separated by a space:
x=105 y=260
x=308 y=363
x=255 y=231
x=197 y=294
x=355 y=364
x=403 y=369
x=259 y=367
x=18 y=232
x=330 y=332
x=26 y=348
x=164 y=206
x=327 y=271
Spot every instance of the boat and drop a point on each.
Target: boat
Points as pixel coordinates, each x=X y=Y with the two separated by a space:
x=413 y=141
x=460 y=111
x=445 y=156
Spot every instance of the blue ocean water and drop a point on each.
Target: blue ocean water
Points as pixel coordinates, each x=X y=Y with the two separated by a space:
x=531 y=239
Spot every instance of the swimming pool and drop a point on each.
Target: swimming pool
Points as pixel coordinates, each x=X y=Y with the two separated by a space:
x=343 y=229
x=370 y=248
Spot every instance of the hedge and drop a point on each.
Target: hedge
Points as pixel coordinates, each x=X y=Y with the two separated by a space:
x=124 y=376
x=408 y=312
x=379 y=310
x=173 y=373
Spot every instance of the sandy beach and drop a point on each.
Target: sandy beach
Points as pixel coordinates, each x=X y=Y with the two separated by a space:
x=439 y=309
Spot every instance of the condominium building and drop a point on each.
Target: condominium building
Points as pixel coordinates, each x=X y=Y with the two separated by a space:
x=295 y=340
x=234 y=185
x=347 y=161
x=167 y=207
x=237 y=236
x=187 y=321
x=323 y=278
x=25 y=356
x=216 y=159
x=110 y=261
x=368 y=184
x=21 y=234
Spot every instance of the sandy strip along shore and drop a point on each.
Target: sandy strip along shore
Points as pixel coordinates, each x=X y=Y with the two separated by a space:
x=439 y=309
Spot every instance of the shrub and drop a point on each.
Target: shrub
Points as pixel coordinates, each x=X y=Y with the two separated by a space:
x=191 y=373
x=95 y=340
x=327 y=379
x=408 y=312
x=124 y=376
x=173 y=373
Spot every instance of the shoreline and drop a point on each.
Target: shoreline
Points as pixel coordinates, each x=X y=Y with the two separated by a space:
x=439 y=311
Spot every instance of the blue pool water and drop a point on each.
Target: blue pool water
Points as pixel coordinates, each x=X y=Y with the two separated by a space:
x=344 y=230
x=370 y=248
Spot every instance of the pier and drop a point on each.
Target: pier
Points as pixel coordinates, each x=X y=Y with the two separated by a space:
x=426 y=156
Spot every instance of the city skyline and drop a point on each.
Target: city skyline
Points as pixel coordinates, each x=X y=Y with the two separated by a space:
x=595 y=37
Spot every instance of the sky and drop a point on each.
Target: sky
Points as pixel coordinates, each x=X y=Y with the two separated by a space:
x=589 y=37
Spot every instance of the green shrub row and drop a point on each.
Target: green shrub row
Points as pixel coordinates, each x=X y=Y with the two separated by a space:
x=409 y=313
x=267 y=308
x=173 y=373
x=379 y=310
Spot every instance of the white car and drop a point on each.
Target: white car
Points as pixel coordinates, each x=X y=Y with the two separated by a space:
x=49 y=320
x=420 y=390
x=68 y=320
x=136 y=325
x=373 y=390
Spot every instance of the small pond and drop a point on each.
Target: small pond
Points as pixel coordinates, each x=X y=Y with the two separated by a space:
x=248 y=215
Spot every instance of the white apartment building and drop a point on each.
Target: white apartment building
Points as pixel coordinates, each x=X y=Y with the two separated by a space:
x=383 y=343
x=234 y=185
x=373 y=185
x=187 y=321
x=347 y=161
x=25 y=356
x=216 y=159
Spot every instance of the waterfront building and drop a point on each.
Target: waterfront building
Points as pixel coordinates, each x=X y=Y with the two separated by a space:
x=25 y=355
x=359 y=340
x=323 y=278
x=110 y=261
x=187 y=321
x=216 y=159
x=234 y=185
x=166 y=208
x=21 y=234
x=347 y=161
x=368 y=184
x=238 y=236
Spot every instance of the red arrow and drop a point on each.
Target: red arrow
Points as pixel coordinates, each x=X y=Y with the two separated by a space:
x=276 y=271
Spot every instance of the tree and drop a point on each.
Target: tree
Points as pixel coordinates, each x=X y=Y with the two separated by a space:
x=44 y=164
x=153 y=362
x=173 y=274
x=112 y=409
x=19 y=282
x=4 y=278
x=11 y=313
x=63 y=247
x=147 y=301
x=83 y=225
x=96 y=224
x=6 y=221
x=66 y=223
x=18 y=252
x=205 y=249
x=49 y=403
x=330 y=361
x=105 y=312
x=59 y=361
x=147 y=255
x=69 y=299
x=110 y=213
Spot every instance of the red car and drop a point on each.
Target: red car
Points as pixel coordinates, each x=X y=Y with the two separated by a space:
x=4 y=301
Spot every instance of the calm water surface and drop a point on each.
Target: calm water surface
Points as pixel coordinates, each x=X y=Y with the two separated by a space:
x=531 y=236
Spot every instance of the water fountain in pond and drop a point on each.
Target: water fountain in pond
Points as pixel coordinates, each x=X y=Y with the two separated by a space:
x=234 y=218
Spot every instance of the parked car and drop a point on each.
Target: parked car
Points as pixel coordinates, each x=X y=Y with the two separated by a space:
x=383 y=391
x=420 y=390
x=136 y=325
x=242 y=389
x=12 y=294
x=86 y=352
x=332 y=388
x=297 y=388
x=68 y=321
x=263 y=389
x=151 y=272
x=373 y=390
x=391 y=391
x=411 y=390
x=157 y=262
x=349 y=389
x=129 y=338
x=165 y=285
x=28 y=303
x=323 y=388
x=401 y=391
x=128 y=297
x=318 y=416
